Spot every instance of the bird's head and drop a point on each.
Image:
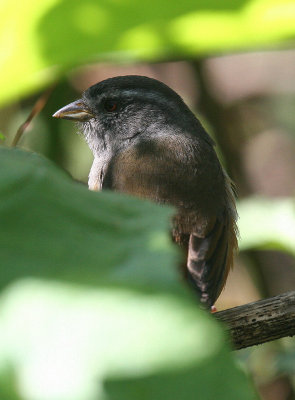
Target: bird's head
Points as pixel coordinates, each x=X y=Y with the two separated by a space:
x=119 y=110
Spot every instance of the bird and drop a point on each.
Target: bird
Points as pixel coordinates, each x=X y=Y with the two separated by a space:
x=146 y=142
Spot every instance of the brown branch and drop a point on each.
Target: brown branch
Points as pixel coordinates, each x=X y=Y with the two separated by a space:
x=261 y=321
x=39 y=105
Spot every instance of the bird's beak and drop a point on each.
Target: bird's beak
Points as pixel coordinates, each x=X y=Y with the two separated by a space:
x=77 y=111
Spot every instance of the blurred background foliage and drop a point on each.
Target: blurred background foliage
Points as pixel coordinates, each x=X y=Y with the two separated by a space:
x=233 y=62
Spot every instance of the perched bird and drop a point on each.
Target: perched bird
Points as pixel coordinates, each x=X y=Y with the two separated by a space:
x=147 y=142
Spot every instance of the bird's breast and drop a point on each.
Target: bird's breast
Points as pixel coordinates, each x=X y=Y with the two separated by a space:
x=168 y=171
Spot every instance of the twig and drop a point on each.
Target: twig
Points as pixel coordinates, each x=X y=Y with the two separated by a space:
x=39 y=105
x=261 y=321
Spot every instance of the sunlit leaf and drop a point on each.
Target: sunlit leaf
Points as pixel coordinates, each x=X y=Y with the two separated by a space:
x=267 y=223
x=113 y=344
x=41 y=39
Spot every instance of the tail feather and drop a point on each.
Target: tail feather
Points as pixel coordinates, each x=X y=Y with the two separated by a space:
x=211 y=257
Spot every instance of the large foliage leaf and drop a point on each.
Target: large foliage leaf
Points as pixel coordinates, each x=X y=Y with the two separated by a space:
x=91 y=302
x=41 y=39
x=48 y=218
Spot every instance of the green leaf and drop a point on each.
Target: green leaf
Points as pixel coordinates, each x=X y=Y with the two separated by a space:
x=49 y=219
x=267 y=223
x=41 y=39
x=285 y=361
x=92 y=305
x=113 y=344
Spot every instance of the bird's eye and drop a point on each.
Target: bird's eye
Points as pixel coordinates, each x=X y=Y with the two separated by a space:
x=110 y=105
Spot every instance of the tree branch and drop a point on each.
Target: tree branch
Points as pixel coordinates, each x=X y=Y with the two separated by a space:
x=39 y=105
x=261 y=321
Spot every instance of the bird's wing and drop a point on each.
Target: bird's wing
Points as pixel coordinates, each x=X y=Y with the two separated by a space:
x=210 y=258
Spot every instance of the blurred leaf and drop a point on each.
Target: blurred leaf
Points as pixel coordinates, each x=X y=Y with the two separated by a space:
x=113 y=344
x=49 y=219
x=2 y=137
x=39 y=40
x=285 y=362
x=136 y=333
x=267 y=223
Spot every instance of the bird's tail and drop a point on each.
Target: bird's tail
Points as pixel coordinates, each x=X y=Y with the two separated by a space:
x=211 y=257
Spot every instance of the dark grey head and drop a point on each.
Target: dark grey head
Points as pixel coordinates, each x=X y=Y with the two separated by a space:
x=117 y=110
